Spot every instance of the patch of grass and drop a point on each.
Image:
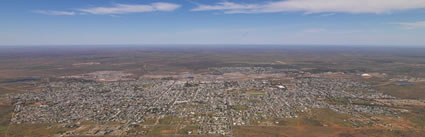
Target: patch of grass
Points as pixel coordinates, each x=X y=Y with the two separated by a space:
x=147 y=85
x=150 y=121
x=252 y=92
x=338 y=101
x=5 y=90
x=169 y=120
x=285 y=122
x=345 y=135
x=188 y=128
x=34 y=130
x=191 y=84
x=60 y=132
x=416 y=117
x=416 y=91
x=161 y=130
x=4 y=118
x=311 y=122
x=3 y=129
x=240 y=107
x=332 y=117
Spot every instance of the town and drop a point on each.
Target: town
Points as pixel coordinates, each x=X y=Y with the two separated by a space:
x=211 y=103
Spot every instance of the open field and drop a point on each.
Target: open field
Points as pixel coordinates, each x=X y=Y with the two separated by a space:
x=27 y=62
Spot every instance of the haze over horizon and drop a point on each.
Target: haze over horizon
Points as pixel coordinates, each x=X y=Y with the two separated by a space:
x=277 y=22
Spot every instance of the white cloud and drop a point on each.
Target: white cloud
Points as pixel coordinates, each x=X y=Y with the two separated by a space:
x=317 y=6
x=55 y=12
x=132 y=8
x=225 y=6
x=412 y=25
x=327 y=15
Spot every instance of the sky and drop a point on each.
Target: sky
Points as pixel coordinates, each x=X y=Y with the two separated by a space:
x=278 y=22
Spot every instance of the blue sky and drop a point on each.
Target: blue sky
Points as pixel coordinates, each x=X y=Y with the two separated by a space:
x=286 y=22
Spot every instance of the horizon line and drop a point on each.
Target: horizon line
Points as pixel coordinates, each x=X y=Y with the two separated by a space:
x=188 y=45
